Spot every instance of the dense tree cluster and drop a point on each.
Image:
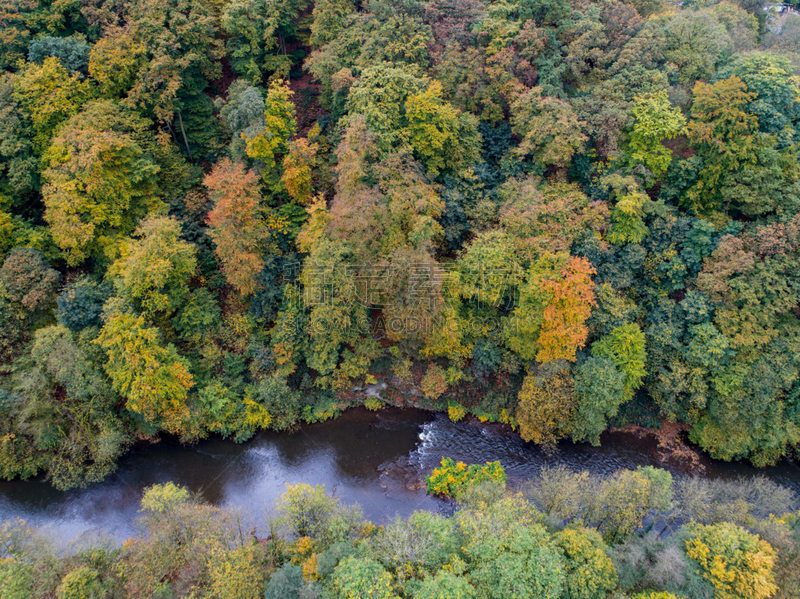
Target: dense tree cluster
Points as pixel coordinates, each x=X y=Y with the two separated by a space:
x=566 y=536
x=558 y=214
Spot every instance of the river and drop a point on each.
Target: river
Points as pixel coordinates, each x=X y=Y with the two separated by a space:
x=375 y=459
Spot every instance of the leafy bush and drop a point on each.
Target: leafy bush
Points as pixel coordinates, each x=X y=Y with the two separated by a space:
x=373 y=403
x=160 y=499
x=16 y=579
x=81 y=583
x=356 y=578
x=455 y=411
x=453 y=478
x=286 y=583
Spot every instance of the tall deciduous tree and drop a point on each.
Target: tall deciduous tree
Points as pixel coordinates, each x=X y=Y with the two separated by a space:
x=114 y=63
x=655 y=120
x=271 y=143
x=737 y=562
x=442 y=136
x=236 y=224
x=743 y=170
x=28 y=279
x=50 y=95
x=152 y=377
x=297 y=168
x=549 y=127
x=155 y=266
x=564 y=329
x=99 y=180
x=259 y=32
x=625 y=347
x=183 y=50
x=600 y=390
x=546 y=402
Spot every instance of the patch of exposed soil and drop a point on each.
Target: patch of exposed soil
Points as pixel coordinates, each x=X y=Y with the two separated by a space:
x=673 y=450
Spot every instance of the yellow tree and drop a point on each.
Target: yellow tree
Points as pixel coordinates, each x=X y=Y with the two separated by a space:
x=655 y=121
x=156 y=266
x=153 y=378
x=272 y=142
x=550 y=129
x=546 y=403
x=442 y=136
x=297 y=167
x=100 y=179
x=50 y=95
x=738 y=563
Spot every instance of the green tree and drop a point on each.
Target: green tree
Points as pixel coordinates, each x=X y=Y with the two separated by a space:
x=155 y=266
x=357 y=577
x=50 y=95
x=259 y=34
x=625 y=347
x=100 y=179
x=164 y=498
x=600 y=390
x=271 y=144
x=522 y=560
x=655 y=120
x=19 y=176
x=329 y=20
x=80 y=304
x=770 y=77
x=69 y=413
x=742 y=168
x=445 y=585
x=379 y=97
x=73 y=52
x=626 y=499
x=182 y=51
x=153 y=379
x=691 y=40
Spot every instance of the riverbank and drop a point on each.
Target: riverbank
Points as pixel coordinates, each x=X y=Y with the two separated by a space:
x=376 y=459
x=566 y=536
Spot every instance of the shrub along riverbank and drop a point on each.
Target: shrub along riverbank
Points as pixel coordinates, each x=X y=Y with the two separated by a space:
x=635 y=534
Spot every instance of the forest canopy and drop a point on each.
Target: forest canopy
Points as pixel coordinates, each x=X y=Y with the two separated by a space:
x=562 y=215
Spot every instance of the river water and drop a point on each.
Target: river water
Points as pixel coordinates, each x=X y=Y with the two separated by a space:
x=375 y=459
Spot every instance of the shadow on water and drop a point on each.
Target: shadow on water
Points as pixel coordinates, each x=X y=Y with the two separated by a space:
x=375 y=459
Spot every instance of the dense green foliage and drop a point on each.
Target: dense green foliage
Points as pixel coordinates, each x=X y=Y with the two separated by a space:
x=562 y=537
x=562 y=215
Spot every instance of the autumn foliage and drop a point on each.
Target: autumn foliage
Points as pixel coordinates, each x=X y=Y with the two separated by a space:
x=236 y=225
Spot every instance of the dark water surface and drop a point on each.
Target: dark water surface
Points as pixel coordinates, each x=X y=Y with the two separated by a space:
x=375 y=459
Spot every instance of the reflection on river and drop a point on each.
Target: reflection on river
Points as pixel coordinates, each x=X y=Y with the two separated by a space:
x=374 y=459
